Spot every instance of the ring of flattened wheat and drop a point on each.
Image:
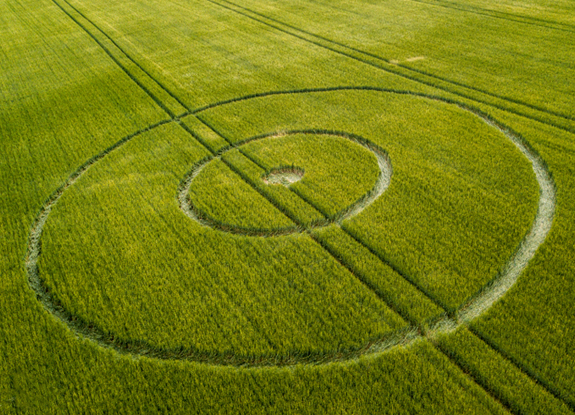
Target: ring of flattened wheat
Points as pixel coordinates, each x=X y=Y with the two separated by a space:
x=512 y=269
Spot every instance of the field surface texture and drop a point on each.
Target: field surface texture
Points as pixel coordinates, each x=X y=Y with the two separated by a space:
x=313 y=206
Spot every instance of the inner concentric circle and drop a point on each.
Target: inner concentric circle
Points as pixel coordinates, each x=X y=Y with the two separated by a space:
x=120 y=264
x=381 y=183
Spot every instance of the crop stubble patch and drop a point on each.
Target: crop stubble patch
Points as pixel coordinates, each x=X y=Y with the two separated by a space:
x=467 y=312
x=285 y=176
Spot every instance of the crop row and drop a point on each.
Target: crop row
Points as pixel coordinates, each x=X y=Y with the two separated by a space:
x=337 y=171
x=63 y=101
x=519 y=392
x=292 y=205
x=204 y=134
x=534 y=325
x=411 y=304
x=162 y=97
x=402 y=297
x=199 y=72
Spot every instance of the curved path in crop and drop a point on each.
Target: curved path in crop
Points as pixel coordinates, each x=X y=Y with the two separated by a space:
x=478 y=305
x=380 y=186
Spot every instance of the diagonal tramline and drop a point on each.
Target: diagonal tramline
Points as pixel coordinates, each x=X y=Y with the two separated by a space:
x=388 y=68
x=119 y=64
x=535 y=377
x=160 y=84
x=528 y=20
x=421 y=334
x=365 y=57
x=147 y=83
x=381 y=185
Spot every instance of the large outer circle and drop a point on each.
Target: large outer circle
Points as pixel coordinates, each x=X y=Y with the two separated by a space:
x=478 y=305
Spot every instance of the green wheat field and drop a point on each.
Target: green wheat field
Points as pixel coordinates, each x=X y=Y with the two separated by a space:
x=287 y=207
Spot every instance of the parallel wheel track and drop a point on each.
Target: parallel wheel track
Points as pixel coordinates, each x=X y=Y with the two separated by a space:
x=303 y=35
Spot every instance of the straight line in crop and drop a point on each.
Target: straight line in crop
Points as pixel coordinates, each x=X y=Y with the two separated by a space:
x=482 y=383
x=387 y=69
x=530 y=20
x=161 y=85
x=118 y=63
x=231 y=6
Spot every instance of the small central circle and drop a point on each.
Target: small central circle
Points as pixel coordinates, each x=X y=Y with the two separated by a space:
x=285 y=176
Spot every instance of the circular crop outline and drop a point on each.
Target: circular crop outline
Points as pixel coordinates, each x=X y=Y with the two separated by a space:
x=479 y=303
x=380 y=186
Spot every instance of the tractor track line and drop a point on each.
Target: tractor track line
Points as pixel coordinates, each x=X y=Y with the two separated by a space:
x=528 y=20
x=399 y=272
x=388 y=61
x=118 y=63
x=382 y=182
x=383 y=260
x=390 y=70
x=531 y=374
x=357 y=239
x=204 y=219
x=196 y=137
x=243 y=177
x=477 y=380
x=365 y=282
x=162 y=86
x=358 y=88
x=294 y=219
x=41 y=290
x=190 y=211
x=349 y=268
x=189 y=112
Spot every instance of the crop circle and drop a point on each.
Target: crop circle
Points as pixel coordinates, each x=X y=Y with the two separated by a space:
x=381 y=184
x=475 y=306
